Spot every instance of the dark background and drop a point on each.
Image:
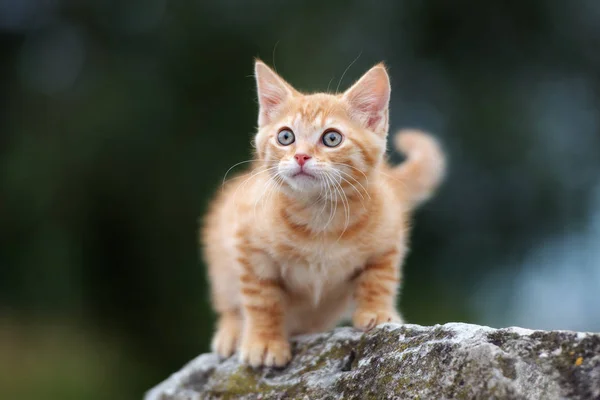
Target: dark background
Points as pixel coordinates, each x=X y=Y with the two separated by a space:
x=118 y=120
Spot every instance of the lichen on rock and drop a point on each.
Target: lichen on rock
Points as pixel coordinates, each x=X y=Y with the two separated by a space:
x=452 y=361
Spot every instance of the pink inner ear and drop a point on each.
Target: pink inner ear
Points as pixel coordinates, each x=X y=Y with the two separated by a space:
x=373 y=120
x=370 y=107
x=271 y=95
x=369 y=98
x=271 y=100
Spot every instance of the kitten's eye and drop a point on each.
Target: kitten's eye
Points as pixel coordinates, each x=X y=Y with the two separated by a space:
x=285 y=137
x=332 y=138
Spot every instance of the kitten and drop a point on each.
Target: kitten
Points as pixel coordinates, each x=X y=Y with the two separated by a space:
x=319 y=226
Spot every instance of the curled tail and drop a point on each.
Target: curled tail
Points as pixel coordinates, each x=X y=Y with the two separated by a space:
x=424 y=168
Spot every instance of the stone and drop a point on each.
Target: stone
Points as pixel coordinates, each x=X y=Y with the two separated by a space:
x=451 y=361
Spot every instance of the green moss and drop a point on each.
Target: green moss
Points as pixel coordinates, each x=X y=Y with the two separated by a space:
x=410 y=365
x=507 y=366
x=499 y=338
x=243 y=381
x=336 y=353
x=248 y=381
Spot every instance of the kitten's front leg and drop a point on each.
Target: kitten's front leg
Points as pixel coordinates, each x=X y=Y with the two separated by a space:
x=376 y=291
x=264 y=339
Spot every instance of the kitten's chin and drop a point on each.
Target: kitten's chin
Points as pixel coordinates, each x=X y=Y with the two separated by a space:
x=302 y=184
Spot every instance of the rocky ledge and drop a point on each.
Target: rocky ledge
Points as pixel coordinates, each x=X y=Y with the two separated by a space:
x=452 y=361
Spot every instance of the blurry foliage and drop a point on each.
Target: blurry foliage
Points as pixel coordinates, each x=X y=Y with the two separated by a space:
x=60 y=360
x=118 y=120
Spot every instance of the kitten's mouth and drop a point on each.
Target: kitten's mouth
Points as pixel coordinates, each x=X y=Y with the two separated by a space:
x=303 y=174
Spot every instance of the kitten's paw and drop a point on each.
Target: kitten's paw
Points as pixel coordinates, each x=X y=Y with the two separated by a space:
x=257 y=352
x=225 y=340
x=365 y=319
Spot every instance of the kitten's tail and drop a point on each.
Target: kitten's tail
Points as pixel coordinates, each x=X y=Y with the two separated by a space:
x=424 y=168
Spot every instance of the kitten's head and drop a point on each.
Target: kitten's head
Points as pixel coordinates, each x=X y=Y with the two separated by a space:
x=313 y=142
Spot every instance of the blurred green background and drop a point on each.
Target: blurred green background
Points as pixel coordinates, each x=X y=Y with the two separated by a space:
x=118 y=120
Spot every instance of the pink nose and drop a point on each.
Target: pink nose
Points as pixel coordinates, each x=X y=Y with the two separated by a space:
x=302 y=158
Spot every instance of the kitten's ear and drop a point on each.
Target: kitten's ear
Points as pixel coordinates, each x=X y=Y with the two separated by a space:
x=272 y=90
x=368 y=99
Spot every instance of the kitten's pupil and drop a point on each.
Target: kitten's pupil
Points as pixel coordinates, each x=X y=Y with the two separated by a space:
x=332 y=139
x=285 y=137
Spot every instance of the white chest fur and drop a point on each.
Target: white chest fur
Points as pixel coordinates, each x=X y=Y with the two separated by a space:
x=320 y=268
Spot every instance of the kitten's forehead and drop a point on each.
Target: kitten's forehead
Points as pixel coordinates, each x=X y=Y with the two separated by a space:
x=315 y=111
x=317 y=120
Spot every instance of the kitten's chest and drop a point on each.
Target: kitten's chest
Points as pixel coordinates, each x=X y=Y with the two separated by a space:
x=320 y=268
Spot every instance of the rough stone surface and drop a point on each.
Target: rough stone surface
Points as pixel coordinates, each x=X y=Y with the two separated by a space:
x=452 y=361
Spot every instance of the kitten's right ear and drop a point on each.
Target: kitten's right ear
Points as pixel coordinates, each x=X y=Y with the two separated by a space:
x=273 y=92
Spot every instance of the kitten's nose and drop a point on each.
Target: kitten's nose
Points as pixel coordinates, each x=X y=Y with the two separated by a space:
x=302 y=158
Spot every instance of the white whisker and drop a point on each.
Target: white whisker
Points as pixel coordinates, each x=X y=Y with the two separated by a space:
x=235 y=165
x=346 y=70
x=325 y=199
x=346 y=205
x=334 y=203
x=266 y=187
x=253 y=174
x=353 y=167
x=362 y=198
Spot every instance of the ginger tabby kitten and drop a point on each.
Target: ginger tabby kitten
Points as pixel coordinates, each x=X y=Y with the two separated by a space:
x=319 y=226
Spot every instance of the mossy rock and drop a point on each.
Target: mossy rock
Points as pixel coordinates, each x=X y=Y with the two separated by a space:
x=452 y=361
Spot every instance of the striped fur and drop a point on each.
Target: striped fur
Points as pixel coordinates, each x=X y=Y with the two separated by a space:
x=293 y=254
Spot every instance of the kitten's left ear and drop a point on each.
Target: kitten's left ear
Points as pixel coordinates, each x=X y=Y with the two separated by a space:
x=368 y=99
x=273 y=92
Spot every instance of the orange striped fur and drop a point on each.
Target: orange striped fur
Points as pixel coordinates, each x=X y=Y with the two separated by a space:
x=290 y=254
